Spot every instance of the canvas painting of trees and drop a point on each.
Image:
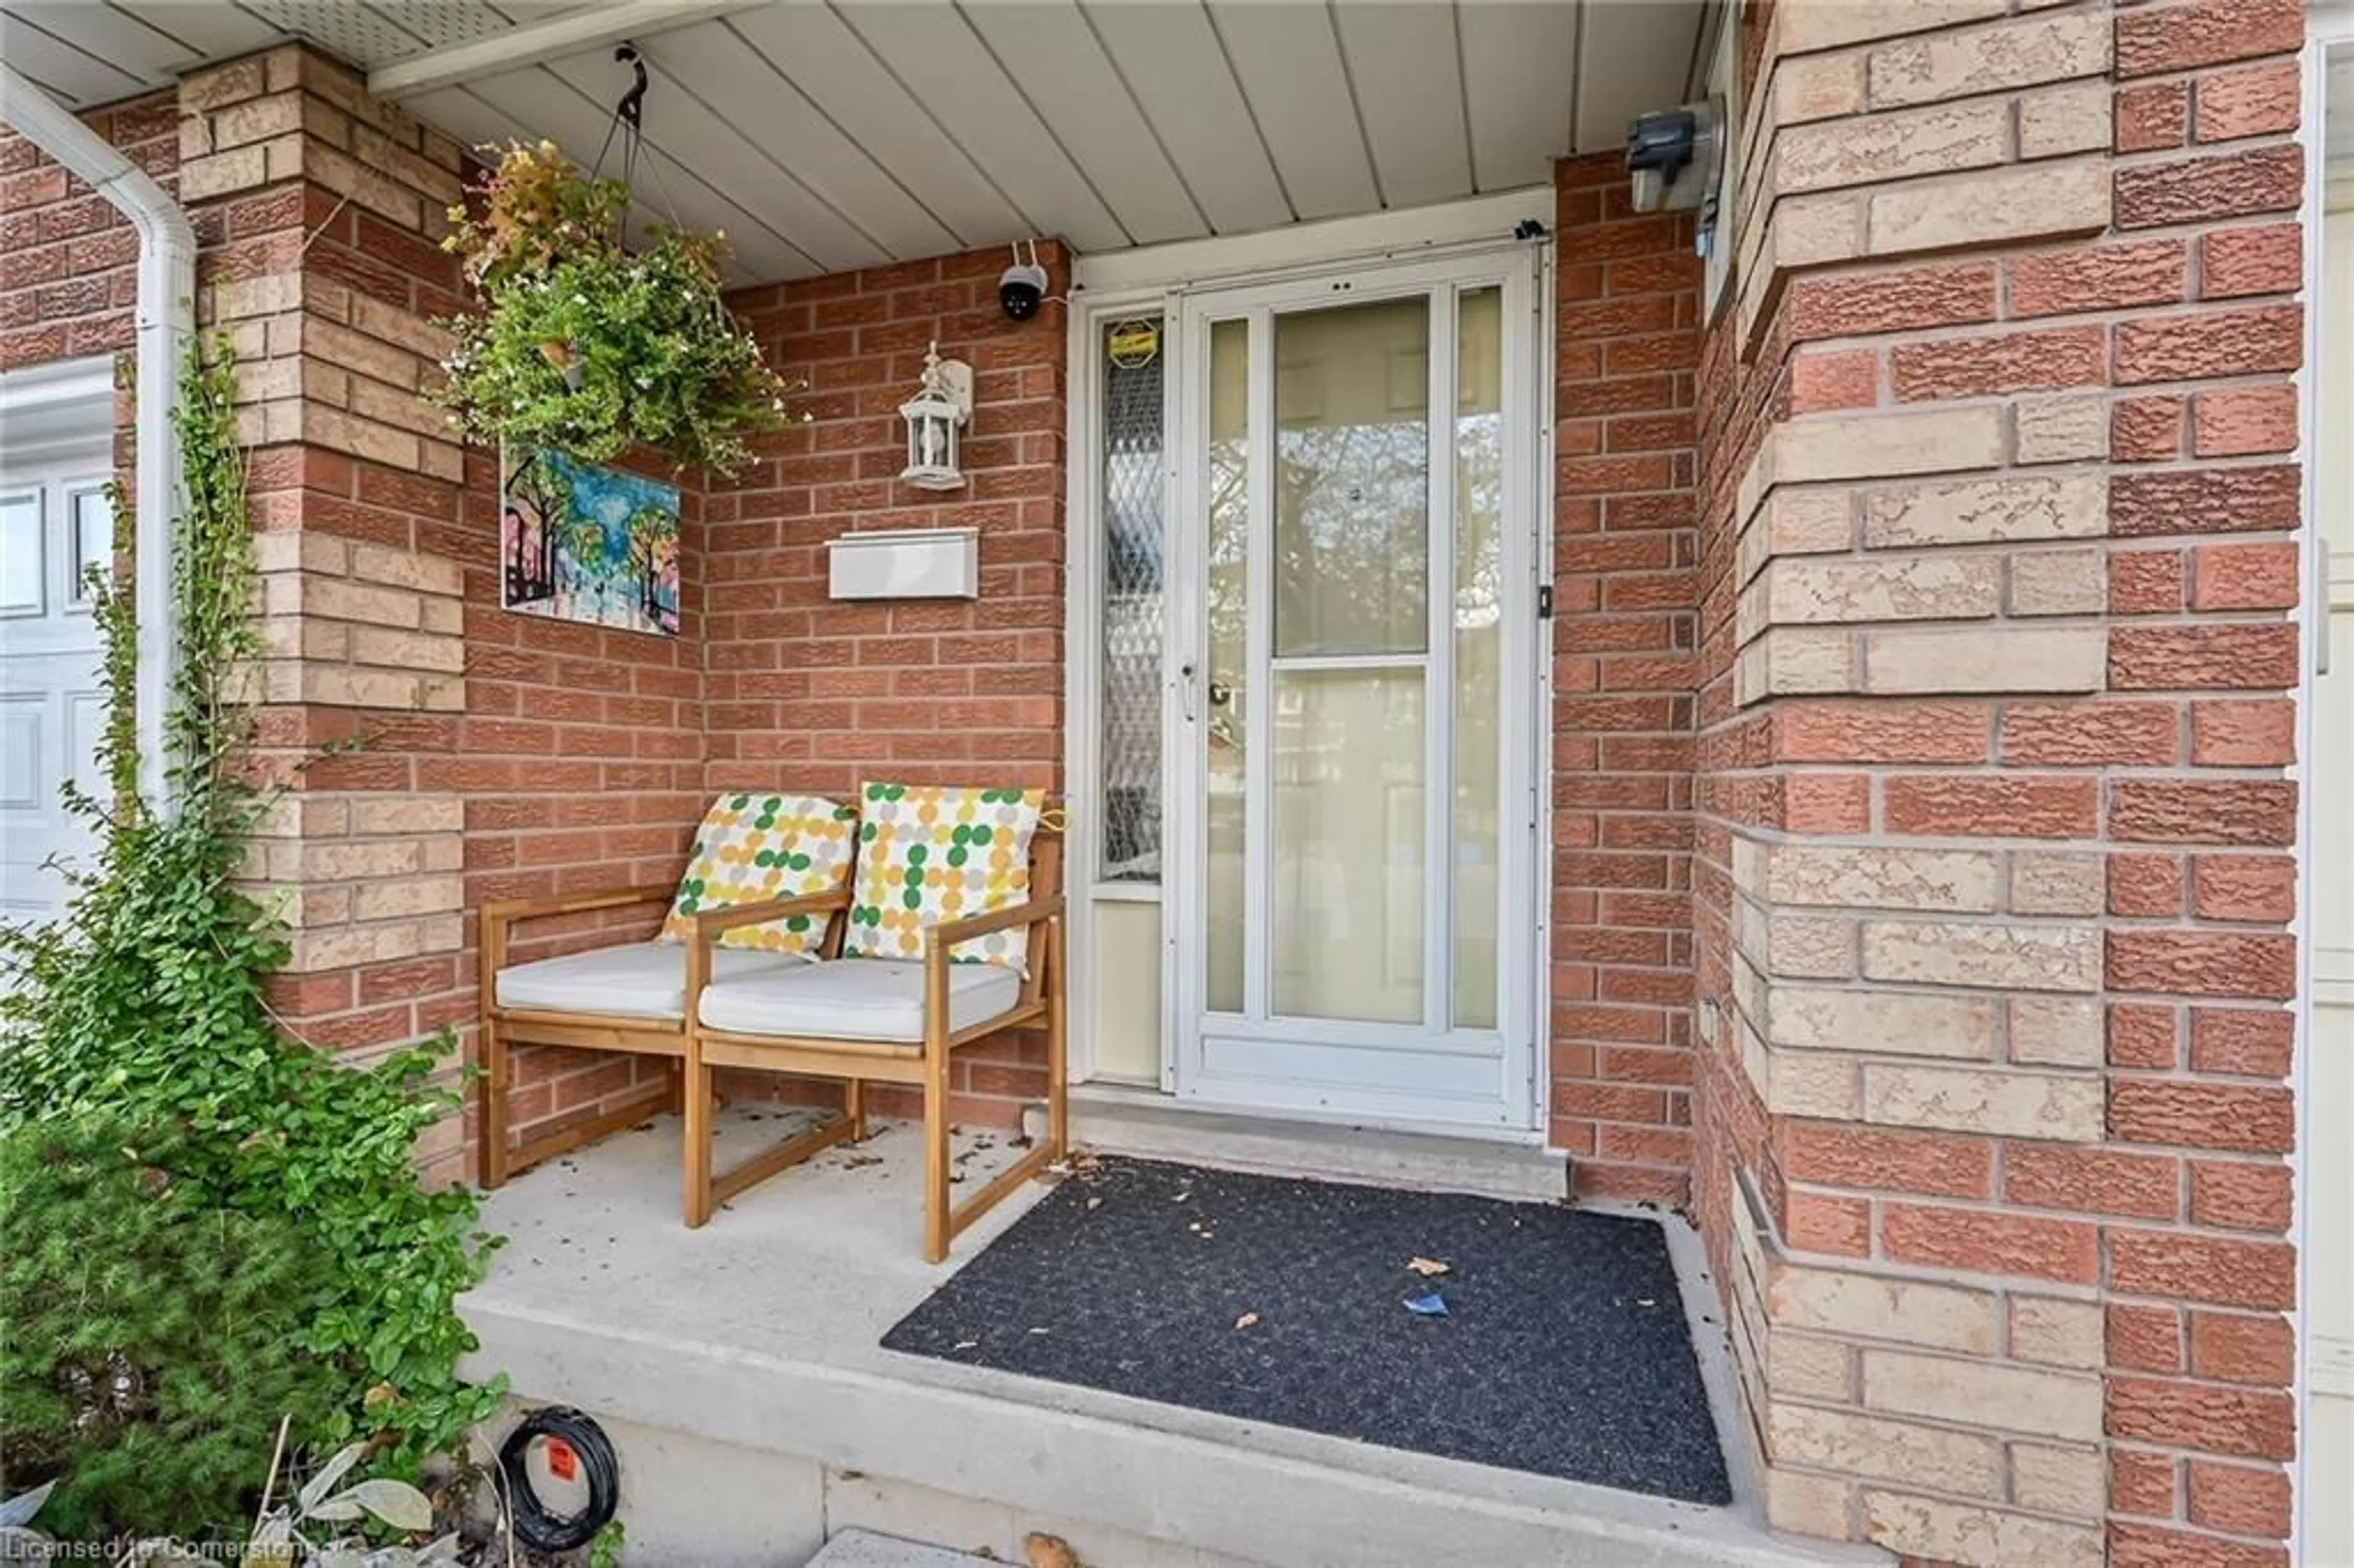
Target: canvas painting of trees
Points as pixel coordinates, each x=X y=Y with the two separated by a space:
x=582 y=542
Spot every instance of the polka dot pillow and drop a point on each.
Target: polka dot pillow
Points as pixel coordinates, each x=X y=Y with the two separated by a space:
x=755 y=847
x=928 y=853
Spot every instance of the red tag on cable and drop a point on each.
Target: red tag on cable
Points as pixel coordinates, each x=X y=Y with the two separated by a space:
x=562 y=1462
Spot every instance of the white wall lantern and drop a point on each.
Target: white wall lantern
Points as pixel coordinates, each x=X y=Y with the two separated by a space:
x=942 y=406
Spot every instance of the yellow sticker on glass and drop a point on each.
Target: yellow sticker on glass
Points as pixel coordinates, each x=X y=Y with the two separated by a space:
x=1132 y=344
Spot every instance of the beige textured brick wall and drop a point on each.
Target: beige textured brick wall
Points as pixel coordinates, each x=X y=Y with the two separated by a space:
x=1968 y=876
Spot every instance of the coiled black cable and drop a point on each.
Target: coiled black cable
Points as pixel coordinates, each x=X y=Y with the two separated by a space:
x=535 y=1525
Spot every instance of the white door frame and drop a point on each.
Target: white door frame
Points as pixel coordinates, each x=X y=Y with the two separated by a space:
x=1513 y=1044
x=1148 y=283
x=2329 y=24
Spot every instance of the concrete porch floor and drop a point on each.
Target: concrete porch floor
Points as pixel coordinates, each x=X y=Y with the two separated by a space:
x=740 y=1370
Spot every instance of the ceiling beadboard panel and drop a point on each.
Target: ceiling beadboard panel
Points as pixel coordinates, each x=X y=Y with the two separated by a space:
x=1408 y=77
x=1288 y=60
x=815 y=50
x=830 y=134
x=680 y=125
x=1055 y=58
x=1173 y=61
x=213 y=31
x=791 y=131
x=939 y=58
x=1518 y=64
x=115 y=37
x=74 y=76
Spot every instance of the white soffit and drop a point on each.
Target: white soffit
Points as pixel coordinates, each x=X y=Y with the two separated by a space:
x=825 y=134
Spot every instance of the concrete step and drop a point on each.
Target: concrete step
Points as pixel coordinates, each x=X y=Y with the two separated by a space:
x=866 y=1549
x=738 y=1369
x=1116 y=1120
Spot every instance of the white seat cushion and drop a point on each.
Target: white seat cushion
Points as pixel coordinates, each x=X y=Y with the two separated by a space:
x=638 y=979
x=856 y=999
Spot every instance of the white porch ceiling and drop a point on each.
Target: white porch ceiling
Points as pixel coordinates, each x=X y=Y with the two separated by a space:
x=831 y=134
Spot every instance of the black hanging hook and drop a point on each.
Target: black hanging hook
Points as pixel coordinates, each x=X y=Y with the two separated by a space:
x=632 y=110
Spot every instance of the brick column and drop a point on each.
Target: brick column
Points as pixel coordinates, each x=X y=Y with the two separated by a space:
x=319 y=212
x=1991 y=842
x=1627 y=317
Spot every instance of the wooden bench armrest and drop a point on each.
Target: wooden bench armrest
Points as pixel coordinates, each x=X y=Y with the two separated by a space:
x=506 y=911
x=946 y=934
x=711 y=922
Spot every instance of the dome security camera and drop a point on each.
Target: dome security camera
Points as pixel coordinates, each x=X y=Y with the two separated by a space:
x=1022 y=288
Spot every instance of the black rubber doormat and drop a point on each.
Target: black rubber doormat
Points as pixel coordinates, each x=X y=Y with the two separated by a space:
x=1560 y=1348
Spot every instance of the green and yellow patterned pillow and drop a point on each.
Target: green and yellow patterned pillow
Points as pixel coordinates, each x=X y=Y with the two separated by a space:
x=928 y=853
x=751 y=848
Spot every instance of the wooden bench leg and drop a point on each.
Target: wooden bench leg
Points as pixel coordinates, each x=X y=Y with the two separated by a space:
x=695 y=1161
x=1058 y=1051
x=491 y=1126
x=936 y=1107
x=853 y=1105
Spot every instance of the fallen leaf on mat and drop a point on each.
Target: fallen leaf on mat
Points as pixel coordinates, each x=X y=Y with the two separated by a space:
x=1246 y=1321
x=1425 y=1267
x=1050 y=1551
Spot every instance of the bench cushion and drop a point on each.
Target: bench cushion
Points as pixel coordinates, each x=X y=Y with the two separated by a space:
x=637 y=979
x=753 y=847
x=928 y=853
x=854 y=998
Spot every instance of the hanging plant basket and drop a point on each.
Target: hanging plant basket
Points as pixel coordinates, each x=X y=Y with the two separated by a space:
x=589 y=346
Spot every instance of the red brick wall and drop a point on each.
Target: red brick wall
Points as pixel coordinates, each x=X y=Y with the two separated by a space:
x=2201 y=884
x=812 y=694
x=807 y=693
x=1624 y=472
x=68 y=259
x=2141 y=354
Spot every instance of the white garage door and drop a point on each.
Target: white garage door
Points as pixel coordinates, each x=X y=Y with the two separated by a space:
x=54 y=522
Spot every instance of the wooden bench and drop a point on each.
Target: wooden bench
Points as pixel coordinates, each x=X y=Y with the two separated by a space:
x=874 y=1020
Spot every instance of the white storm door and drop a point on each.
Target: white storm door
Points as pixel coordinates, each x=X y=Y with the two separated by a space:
x=1352 y=649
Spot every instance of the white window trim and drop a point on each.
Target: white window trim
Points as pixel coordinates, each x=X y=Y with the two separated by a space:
x=2329 y=24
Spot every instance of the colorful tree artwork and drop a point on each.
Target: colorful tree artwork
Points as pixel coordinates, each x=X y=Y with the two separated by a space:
x=582 y=542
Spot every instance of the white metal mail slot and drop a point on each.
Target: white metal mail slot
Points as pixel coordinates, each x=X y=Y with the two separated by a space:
x=909 y=563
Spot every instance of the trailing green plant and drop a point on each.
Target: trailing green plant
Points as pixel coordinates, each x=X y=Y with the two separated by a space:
x=588 y=346
x=145 y=1004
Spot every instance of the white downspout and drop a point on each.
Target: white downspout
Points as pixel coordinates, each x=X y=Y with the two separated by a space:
x=167 y=287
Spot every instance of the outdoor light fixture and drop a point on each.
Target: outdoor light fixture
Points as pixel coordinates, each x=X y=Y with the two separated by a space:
x=942 y=406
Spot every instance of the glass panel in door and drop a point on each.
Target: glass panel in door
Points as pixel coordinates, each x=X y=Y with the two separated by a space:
x=1349 y=660
x=1478 y=668
x=1224 y=736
